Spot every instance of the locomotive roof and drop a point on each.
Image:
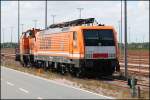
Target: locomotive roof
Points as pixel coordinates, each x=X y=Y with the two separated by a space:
x=76 y=22
x=73 y=28
x=55 y=30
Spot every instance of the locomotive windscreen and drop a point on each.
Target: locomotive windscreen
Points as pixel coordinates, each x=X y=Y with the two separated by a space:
x=94 y=37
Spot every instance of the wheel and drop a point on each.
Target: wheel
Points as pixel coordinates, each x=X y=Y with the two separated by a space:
x=44 y=66
x=72 y=71
x=38 y=64
x=80 y=72
x=24 y=64
x=63 y=69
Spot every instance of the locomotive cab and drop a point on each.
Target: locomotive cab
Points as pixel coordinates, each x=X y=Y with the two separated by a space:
x=99 y=44
x=26 y=46
x=100 y=49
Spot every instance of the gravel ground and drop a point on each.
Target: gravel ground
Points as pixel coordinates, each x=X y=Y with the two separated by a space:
x=95 y=85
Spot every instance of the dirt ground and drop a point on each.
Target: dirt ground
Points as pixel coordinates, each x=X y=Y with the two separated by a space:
x=138 y=52
x=143 y=54
x=134 y=56
x=98 y=86
x=8 y=50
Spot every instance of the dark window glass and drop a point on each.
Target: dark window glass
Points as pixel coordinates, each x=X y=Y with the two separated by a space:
x=95 y=37
x=75 y=39
x=74 y=35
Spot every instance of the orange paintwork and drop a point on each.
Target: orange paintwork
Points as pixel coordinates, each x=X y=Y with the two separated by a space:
x=24 y=45
x=59 y=44
x=26 y=41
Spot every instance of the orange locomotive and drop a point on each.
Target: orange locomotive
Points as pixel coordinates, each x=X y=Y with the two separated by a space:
x=72 y=47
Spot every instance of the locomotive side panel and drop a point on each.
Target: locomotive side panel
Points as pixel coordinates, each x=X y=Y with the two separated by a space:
x=75 y=50
x=24 y=45
x=24 y=48
x=53 y=47
x=32 y=45
x=116 y=43
x=53 y=44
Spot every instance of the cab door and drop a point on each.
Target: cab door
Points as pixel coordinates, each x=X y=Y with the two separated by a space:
x=73 y=45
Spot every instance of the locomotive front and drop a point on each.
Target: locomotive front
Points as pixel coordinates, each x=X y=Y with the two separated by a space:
x=100 y=50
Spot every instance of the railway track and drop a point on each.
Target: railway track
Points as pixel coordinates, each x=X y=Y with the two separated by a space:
x=8 y=55
x=122 y=82
x=136 y=65
x=143 y=63
x=135 y=72
x=131 y=69
x=135 y=57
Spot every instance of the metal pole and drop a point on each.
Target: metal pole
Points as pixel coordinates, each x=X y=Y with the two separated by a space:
x=80 y=9
x=136 y=43
x=121 y=28
x=133 y=84
x=35 y=21
x=18 y=20
x=129 y=34
x=45 y=14
x=139 y=92
x=11 y=36
x=53 y=16
x=139 y=58
x=125 y=40
x=22 y=27
x=119 y=36
x=3 y=35
x=143 y=38
x=140 y=51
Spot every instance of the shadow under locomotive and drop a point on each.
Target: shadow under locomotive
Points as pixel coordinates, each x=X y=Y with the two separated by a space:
x=88 y=68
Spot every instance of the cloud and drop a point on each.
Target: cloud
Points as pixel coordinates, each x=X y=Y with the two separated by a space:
x=107 y=12
x=143 y=5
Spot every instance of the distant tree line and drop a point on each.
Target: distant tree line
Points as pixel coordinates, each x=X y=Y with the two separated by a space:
x=144 y=45
x=9 y=45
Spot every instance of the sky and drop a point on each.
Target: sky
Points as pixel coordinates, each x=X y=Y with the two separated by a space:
x=105 y=12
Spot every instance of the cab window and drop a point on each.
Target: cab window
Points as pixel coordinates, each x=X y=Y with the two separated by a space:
x=75 y=39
